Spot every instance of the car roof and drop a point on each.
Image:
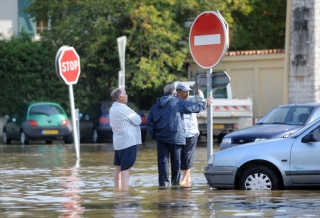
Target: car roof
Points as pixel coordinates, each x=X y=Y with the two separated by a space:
x=314 y=104
x=41 y=102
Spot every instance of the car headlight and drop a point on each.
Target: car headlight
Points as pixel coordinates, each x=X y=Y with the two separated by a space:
x=260 y=139
x=211 y=160
x=226 y=141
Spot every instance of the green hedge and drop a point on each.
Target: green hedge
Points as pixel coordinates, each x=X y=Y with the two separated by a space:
x=27 y=73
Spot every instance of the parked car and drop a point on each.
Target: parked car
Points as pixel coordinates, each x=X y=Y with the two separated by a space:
x=271 y=164
x=95 y=124
x=279 y=122
x=38 y=121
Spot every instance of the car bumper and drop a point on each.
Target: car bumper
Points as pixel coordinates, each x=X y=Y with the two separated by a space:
x=39 y=132
x=220 y=177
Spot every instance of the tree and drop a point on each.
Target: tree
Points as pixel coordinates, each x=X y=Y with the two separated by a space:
x=261 y=28
x=157 y=33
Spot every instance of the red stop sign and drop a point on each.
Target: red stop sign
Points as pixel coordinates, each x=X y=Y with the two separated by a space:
x=69 y=65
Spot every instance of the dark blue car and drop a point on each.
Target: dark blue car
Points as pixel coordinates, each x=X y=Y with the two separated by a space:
x=279 y=122
x=95 y=123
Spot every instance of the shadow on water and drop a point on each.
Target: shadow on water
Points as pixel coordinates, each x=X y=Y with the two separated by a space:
x=47 y=181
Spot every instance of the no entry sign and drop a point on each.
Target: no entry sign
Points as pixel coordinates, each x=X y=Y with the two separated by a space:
x=208 y=39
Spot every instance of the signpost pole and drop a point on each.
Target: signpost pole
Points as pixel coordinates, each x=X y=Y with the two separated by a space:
x=209 y=116
x=122 y=50
x=209 y=41
x=73 y=118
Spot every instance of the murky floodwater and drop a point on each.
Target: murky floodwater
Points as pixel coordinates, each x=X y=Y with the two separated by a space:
x=47 y=181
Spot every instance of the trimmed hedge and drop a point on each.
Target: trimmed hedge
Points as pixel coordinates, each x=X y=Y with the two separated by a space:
x=27 y=73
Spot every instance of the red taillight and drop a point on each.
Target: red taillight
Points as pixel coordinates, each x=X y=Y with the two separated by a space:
x=64 y=122
x=143 y=120
x=104 y=120
x=33 y=123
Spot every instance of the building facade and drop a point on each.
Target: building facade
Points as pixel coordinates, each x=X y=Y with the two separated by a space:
x=14 y=21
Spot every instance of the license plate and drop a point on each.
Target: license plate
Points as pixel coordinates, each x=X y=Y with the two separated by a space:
x=50 y=131
x=218 y=126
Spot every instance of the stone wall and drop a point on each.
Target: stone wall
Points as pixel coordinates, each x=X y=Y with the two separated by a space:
x=304 y=67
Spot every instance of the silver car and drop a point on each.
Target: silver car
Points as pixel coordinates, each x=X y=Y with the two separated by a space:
x=279 y=122
x=269 y=165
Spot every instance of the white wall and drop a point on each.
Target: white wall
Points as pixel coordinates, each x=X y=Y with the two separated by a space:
x=8 y=18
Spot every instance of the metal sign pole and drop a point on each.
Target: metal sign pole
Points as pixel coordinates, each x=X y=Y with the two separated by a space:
x=209 y=116
x=73 y=117
x=122 y=50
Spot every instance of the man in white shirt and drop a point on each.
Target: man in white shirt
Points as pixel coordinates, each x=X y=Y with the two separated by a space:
x=126 y=136
x=192 y=133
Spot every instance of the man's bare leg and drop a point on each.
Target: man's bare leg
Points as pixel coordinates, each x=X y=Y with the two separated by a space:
x=125 y=178
x=117 y=176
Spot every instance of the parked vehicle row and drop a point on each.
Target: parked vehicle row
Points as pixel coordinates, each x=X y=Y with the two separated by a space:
x=279 y=122
x=48 y=121
x=95 y=123
x=280 y=151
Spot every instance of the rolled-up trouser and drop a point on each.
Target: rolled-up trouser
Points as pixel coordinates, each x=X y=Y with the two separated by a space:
x=166 y=152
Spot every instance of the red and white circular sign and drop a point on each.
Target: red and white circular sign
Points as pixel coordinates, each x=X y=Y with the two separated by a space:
x=68 y=65
x=208 y=39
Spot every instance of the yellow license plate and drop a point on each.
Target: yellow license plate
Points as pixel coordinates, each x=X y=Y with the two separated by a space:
x=50 y=131
x=218 y=126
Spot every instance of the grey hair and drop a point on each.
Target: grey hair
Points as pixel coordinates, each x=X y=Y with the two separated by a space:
x=115 y=94
x=169 y=89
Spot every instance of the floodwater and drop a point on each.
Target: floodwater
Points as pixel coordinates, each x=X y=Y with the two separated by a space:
x=41 y=180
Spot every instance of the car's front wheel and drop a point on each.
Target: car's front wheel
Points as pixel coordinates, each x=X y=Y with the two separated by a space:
x=258 y=178
x=23 y=138
x=6 y=139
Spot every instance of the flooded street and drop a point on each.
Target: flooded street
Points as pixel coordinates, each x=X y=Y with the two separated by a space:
x=39 y=180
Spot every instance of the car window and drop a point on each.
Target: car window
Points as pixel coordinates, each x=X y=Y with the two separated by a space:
x=287 y=115
x=220 y=92
x=315 y=115
x=133 y=106
x=93 y=110
x=20 y=111
x=45 y=109
x=105 y=107
x=301 y=130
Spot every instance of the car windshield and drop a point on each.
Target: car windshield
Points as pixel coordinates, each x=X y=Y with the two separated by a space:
x=290 y=115
x=106 y=106
x=45 y=109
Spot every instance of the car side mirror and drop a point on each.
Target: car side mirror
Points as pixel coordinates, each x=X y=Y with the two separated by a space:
x=308 y=138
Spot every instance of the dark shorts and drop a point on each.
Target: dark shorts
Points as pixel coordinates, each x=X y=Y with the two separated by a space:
x=125 y=157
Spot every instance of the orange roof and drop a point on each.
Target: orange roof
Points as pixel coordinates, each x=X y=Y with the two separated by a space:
x=255 y=52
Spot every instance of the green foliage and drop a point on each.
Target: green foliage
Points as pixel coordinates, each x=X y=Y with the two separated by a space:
x=28 y=74
x=157 y=45
x=157 y=40
x=261 y=28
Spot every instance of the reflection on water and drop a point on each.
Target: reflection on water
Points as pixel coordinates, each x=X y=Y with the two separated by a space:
x=47 y=181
